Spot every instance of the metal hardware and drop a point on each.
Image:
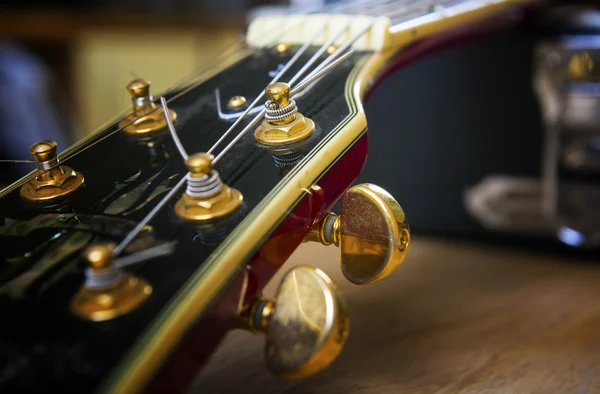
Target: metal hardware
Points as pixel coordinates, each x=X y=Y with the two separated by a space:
x=283 y=48
x=306 y=326
x=52 y=180
x=107 y=292
x=236 y=102
x=371 y=232
x=284 y=131
x=206 y=197
x=145 y=117
x=331 y=49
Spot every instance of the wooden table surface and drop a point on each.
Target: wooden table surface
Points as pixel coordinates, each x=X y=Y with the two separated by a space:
x=455 y=318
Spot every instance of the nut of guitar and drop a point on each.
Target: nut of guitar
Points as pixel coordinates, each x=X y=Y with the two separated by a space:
x=371 y=232
x=306 y=326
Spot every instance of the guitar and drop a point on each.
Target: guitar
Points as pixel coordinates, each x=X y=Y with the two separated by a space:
x=130 y=255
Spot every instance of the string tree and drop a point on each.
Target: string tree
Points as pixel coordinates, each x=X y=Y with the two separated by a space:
x=207 y=202
x=285 y=131
x=52 y=181
x=145 y=116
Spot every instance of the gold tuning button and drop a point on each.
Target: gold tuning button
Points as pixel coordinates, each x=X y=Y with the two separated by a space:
x=305 y=327
x=145 y=117
x=284 y=131
x=107 y=292
x=206 y=197
x=52 y=180
x=371 y=232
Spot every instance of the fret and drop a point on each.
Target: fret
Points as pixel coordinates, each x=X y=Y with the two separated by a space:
x=419 y=9
x=383 y=7
x=394 y=22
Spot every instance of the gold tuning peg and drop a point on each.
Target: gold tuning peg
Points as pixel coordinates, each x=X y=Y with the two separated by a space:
x=206 y=197
x=145 y=116
x=306 y=325
x=107 y=292
x=52 y=181
x=371 y=232
x=284 y=131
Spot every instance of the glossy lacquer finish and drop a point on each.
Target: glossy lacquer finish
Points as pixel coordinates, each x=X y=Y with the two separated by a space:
x=43 y=346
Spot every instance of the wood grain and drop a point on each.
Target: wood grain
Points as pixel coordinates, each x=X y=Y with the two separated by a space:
x=455 y=318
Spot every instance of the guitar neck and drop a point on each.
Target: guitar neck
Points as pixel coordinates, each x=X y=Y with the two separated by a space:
x=391 y=24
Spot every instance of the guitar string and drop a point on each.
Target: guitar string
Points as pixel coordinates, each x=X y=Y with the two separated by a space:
x=330 y=59
x=323 y=68
x=238 y=45
x=221 y=58
x=306 y=10
x=309 y=63
x=259 y=116
x=135 y=231
x=319 y=52
x=343 y=47
x=226 y=52
x=146 y=254
x=319 y=71
x=289 y=64
x=171 y=128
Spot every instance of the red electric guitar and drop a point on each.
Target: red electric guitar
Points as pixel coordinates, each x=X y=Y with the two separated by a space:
x=130 y=255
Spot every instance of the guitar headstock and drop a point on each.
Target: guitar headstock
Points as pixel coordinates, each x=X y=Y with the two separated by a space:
x=163 y=228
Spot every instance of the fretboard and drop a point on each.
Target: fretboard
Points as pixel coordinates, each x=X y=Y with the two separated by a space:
x=387 y=23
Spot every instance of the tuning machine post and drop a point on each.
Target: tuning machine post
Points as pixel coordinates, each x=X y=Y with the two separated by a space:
x=52 y=181
x=305 y=326
x=145 y=117
x=371 y=232
x=284 y=132
x=108 y=292
x=207 y=201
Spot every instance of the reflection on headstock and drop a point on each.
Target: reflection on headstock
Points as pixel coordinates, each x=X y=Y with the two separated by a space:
x=58 y=253
x=60 y=240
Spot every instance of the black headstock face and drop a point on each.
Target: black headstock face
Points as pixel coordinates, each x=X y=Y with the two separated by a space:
x=43 y=344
